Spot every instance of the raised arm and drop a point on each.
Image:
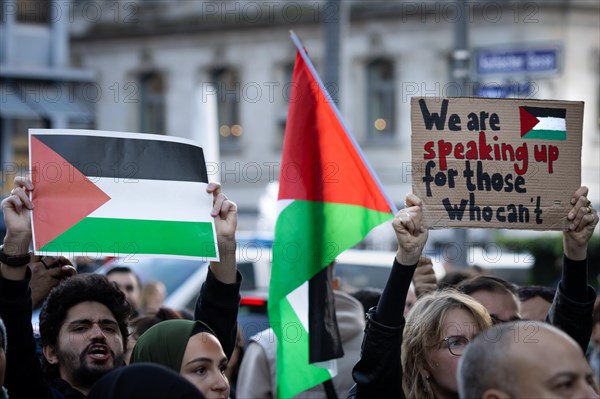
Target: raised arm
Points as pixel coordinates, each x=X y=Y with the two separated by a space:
x=219 y=298
x=571 y=310
x=24 y=377
x=378 y=373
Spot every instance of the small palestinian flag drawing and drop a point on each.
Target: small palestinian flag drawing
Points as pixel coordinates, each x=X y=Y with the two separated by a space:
x=119 y=194
x=543 y=123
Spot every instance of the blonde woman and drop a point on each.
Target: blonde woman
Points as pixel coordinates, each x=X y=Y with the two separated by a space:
x=436 y=324
x=437 y=331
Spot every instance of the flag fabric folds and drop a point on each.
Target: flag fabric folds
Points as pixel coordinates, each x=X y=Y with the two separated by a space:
x=110 y=194
x=328 y=201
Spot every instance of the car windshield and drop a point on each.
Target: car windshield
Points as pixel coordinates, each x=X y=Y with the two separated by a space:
x=172 y=272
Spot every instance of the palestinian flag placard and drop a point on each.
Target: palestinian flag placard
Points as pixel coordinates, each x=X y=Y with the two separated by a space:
x=119 y=194
x=543 y=123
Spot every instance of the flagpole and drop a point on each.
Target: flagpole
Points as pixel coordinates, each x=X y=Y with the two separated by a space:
x=312 y=69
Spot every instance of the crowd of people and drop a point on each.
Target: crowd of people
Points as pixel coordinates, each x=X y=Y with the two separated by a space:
x=471 y=336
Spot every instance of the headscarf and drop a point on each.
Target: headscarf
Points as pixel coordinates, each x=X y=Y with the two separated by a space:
x=143 y=381
x=165 y=342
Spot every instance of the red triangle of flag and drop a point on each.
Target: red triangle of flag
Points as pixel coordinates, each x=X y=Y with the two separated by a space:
x=528 y=121
x=319 y=160
x=62 y=195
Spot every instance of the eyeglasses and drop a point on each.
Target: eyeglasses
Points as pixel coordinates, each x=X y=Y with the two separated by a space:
x=456 y=344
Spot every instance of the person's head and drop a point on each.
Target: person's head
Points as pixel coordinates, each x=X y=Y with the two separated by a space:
x=535 y=301
x=2 y=352
x=189 y=348
x=497 y=295
x=524 y=359
x=141 y=324
x=83 y=330
x=128 y=282
x=452 y=278
x=368 y=297
x=438 y=328
x=144 y=381
x=152 y=296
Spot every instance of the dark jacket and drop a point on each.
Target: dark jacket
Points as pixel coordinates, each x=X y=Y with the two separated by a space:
x=572 y=316
x=217 y=306
x=378 y=373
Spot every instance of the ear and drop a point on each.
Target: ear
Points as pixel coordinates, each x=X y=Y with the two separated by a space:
x=495 y=394
x=335 y=283
x=50 y=354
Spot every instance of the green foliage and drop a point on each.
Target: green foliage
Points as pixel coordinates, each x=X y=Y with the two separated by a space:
x=548 y=257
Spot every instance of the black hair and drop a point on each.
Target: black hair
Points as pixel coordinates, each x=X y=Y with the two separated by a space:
x=368 y=297
x=141 y=324
x=455 y=277
x=531 y=291
x=73 y=291
x=486 y=283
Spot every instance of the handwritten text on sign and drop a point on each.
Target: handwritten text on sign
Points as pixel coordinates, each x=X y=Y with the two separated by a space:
x=502 y=163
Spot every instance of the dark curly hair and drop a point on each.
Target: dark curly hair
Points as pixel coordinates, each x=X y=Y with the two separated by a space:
x=72 y=291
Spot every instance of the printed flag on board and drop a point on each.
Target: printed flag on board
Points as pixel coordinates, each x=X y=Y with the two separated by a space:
x=109 y=194
x=328 y=201
x=543 y=123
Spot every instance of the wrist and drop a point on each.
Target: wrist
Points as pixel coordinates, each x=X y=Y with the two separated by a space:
x=576 y=253
x=407 y=258
x=11 y=259
x=227 y=245
x=16 y=244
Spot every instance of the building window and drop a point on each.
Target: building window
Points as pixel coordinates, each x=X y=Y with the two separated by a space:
x=34 y=11
x=152 y=104
x=286 y=91
x=228 y=89
x=380 y=100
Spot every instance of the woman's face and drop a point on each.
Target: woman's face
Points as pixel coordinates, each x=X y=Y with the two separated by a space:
x=442 y=364
x=204 y=364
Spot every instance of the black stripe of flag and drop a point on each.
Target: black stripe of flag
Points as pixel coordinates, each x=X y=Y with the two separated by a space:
x=546 y=112
x=121 y=158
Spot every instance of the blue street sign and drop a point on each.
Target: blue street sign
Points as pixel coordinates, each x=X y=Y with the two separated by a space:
x=525 y=61
x=505 y=90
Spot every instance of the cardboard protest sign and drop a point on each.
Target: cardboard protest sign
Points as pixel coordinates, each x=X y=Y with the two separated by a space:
x=501 y=163
x=119 y=194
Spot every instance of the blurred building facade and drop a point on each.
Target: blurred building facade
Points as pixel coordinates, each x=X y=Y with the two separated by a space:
x=39 y=88
x=151 y=59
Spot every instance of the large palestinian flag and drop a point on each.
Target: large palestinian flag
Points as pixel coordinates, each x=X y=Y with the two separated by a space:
x=328 y=201
x=114 y=194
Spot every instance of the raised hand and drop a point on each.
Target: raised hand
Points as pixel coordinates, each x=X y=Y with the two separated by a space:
x=583 y=220
x=411 y=233
x=17 y=208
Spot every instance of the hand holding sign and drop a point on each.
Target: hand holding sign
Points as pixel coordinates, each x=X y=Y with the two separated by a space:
x=224 y=213
x=583 y=219
x=16 y=209
x=410 y=231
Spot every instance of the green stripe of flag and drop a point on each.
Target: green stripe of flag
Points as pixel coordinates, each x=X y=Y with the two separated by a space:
x=296 y=355
x=309 y=235
x=133 y=237
x=547 y=134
